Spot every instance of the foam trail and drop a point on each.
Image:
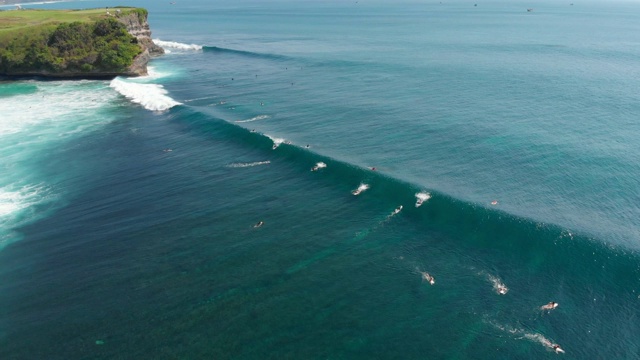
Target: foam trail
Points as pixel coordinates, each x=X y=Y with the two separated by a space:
x=151 y=96
x=427 y=277
x=544 y=341
x=252 y=164
x=421 y=197
x=396 y=211
x=255 y=118
x=498 y=286
x=362 y=188
x=177 y=45
x=534 y=337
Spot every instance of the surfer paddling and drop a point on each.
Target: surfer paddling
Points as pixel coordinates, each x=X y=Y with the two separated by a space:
x=550 y=306
x=397 y=210
x=258 y=224
x=557 y=348
x=427 y=277
x=501 y=289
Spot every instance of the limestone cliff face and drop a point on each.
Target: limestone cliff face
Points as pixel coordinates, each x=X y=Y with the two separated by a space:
x=139 y=27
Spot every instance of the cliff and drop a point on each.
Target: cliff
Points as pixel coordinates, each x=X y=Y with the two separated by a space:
x=138 y=27
x=97 y=43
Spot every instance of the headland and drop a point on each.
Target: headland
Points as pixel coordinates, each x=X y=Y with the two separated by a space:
x=93 y=43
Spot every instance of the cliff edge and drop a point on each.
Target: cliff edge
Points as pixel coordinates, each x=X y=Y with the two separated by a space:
x=138 y=27
x=96 y=43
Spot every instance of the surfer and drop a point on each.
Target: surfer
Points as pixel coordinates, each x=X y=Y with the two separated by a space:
x=421 y=197
x=360 y=189
x=318 y=166
x=550 y=306
x=427 y=277
x=557 y=348
x=502 y=290
x=397 y=210
x=258 y=224
x=494 y=202
x=373 y=169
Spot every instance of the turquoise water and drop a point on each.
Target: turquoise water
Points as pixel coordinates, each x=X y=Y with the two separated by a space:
x=128 y=206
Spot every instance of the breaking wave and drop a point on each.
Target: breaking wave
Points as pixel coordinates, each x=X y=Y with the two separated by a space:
x=151 y=96
x=177 y=45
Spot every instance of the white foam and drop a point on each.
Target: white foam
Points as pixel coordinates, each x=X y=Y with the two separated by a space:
x=278 y=141
x=33 y=124
x=255 y=118
x=362 y=188
x=51 y=106
x=319 y=166
x=13 y=201
x=421 y=197
x=177 y=45
x=9 y=203
x=151 y=96
x=243 y=165
x=153 y=73
x=498 y=286
x=16 y=208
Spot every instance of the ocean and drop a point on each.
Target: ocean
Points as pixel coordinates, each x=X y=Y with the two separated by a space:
x=207 y=211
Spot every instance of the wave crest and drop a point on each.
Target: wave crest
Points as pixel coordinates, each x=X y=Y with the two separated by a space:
x=177 y=45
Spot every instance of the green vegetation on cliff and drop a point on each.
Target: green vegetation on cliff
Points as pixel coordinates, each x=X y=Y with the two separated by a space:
x=66 y=41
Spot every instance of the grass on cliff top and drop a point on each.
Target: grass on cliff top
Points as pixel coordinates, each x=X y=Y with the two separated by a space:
x=33 y=21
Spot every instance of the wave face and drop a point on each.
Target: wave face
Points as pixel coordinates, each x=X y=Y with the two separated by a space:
x=522 y=150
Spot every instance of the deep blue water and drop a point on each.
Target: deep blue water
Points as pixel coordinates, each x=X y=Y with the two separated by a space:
x=127 y=207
